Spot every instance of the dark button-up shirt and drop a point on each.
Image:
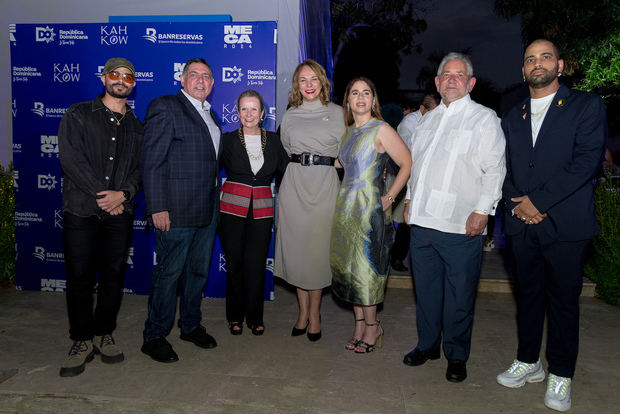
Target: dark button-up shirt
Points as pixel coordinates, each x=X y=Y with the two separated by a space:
x=96 y=154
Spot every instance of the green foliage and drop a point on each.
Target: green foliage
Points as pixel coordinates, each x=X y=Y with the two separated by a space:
x=587 y=36
x=603 y=265
x=7 y=227
x=601 y=66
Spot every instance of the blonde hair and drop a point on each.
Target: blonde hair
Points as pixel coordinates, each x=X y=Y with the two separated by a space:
x=375 y=109
x=295 y=98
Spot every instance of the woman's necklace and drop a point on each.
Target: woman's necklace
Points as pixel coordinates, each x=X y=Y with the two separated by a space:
x=263 y=143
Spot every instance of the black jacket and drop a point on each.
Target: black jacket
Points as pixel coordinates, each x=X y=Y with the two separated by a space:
x=237 y=163
x=88 y=146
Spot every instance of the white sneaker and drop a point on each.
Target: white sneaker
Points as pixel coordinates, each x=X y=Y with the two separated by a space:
x=519 y=373
x=558 y=393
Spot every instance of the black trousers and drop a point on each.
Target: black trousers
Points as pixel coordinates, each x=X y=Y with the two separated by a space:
x=95 y=246
x=549 y=277
x=401 y=242
x=245 y=242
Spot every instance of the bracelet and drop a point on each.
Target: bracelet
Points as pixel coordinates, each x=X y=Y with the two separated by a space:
x=481 y=212
x=389 y=197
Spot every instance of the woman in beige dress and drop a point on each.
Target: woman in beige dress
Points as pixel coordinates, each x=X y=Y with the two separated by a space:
x=310 y=132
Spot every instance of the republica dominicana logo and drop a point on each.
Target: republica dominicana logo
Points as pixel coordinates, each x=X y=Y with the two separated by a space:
x=233 y=74
x=46 y=182
x=44 y=34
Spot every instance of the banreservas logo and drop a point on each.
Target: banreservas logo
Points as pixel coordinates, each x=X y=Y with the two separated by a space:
x=174 y=38
x=40 y=109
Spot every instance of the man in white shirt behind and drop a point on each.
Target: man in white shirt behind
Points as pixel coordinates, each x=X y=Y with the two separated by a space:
x=456 y=180
x=410 y=121
x=405 y=129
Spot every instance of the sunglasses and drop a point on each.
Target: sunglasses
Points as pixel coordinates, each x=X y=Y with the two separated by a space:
x=127 y=77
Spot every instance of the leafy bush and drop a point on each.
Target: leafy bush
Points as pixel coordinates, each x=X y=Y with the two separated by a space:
x=603 y=265
x=7 y=227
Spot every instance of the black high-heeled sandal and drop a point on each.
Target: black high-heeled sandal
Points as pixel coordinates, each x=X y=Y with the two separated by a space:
x=364 y=347
x=256 y=331
x=353 y=342
x=232 y=327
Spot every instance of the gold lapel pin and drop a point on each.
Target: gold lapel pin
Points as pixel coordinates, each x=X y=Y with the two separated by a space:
x=560 y=102
x=524 y=115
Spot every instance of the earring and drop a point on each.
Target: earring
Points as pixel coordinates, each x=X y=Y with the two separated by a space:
x=559 y=74
x=523 y=78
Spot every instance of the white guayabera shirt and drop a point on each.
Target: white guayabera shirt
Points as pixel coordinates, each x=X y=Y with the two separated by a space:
x=458 y=166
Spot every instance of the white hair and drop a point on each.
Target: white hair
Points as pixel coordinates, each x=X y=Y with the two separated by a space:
x=457 y=56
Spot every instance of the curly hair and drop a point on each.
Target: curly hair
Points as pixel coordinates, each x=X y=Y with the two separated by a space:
x=375 y=110
x=295 y=98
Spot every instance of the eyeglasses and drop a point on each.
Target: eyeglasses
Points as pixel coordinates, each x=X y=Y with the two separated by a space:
x=127 y=77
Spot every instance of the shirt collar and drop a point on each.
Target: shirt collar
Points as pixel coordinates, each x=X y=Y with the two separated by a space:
x=98 y=104
x=457 y=105
x=197 y=104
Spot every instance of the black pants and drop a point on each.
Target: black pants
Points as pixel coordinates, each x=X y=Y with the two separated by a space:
x=401 y=242
x=549 y=277
x=245 y=242
x=93 y=245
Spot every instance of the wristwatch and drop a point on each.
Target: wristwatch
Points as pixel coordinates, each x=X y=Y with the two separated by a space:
x=126 y=194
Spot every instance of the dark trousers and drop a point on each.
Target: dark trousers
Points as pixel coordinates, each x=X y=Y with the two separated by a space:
x=183 y=258
x=93 y=245
x=246 y=244
x=549 y=277
x=446 y=271
x=401 y=242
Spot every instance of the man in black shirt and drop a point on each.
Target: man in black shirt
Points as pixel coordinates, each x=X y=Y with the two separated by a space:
x=99 y=142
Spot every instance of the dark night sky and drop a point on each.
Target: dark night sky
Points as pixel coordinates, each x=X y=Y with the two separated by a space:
x=496 y=47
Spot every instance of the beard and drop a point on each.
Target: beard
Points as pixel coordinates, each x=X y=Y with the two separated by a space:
x=120 y=95
x=542 y=80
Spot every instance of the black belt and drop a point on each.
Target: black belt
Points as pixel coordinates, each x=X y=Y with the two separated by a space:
x=305 y=158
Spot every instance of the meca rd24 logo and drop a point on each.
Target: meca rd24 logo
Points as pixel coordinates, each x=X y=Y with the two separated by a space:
x=237 y=34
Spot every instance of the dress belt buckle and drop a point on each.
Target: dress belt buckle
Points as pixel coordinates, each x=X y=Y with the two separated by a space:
x=307 y=159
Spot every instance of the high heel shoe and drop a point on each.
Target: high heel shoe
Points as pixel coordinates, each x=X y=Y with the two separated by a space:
x=256 y=331
x=364 y=347
x=299 y=332
x=313 y=337
x=353 y=342
x=233 y=325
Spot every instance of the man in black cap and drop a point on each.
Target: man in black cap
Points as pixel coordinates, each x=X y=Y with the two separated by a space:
x=99 y=142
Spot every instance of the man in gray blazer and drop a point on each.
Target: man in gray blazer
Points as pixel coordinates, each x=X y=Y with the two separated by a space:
x=180 y=170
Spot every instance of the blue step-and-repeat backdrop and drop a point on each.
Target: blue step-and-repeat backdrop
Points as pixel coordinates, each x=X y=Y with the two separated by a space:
x=56 y=65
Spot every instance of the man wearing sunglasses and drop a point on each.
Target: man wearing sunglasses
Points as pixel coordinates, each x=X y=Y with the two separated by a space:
x=99 y=145
x=179 y=163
